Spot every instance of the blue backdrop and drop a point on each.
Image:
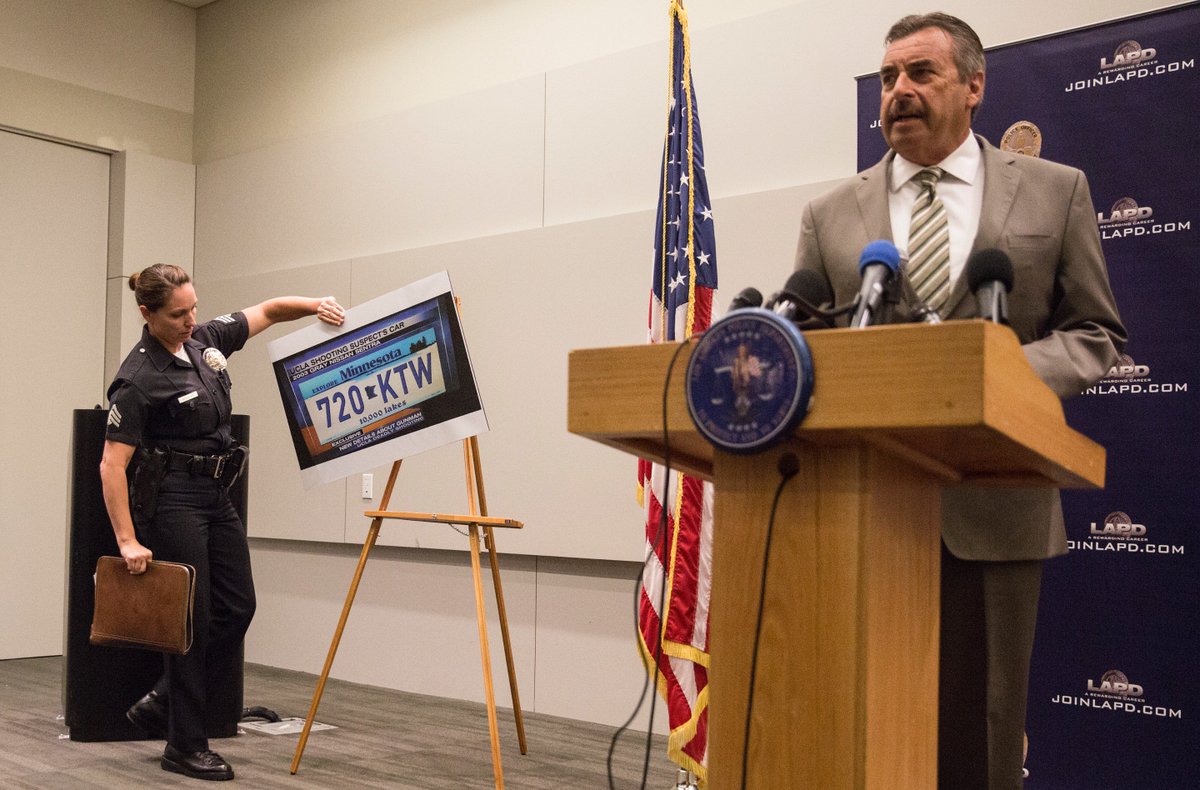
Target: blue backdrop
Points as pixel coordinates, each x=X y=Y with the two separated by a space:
x=1113 y=693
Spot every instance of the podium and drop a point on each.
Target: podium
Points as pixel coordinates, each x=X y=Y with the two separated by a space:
x=846 y=688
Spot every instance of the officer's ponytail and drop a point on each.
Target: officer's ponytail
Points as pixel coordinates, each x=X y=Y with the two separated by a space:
x=152 y=286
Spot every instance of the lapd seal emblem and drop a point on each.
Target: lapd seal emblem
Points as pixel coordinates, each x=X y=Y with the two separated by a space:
x=1023 y=137
x=749 y=381
x=214 y=359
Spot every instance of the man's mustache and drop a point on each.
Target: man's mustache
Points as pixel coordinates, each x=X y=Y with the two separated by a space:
x=905 y=108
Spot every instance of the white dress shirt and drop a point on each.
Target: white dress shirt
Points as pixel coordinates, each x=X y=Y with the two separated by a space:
x=961 y=191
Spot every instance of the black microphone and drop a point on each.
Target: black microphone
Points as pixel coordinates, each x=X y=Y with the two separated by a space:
x=878 y=264
x=990 y=276
x=802 y=296
x=812 y=288
x=815 y=298
x=747 y=297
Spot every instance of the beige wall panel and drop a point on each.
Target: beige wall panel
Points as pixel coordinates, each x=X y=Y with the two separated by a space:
x=152 y=205
x=412 y=626
x=588 y=665
x=758 y=133
x=116 y=75
x=465 y=167
x=279 y=507
x=757 y=236
x=159 y=213
x=605 y=121
x=767 y=89
x=84 y=115
x=369 y=58
x=53 y=244
x=140 y=49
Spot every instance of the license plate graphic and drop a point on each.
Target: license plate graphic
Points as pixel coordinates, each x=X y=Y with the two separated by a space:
x=358 y=402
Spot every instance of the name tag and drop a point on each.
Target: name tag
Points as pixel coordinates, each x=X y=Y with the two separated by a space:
x=190 y=396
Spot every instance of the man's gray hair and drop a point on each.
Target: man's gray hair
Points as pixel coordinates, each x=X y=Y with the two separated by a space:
x=968 y=49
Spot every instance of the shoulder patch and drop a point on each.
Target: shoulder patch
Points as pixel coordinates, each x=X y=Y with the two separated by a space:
x=114 y=416
x=225 y=319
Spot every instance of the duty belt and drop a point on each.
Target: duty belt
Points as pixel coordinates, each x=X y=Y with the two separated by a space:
x=201 y=465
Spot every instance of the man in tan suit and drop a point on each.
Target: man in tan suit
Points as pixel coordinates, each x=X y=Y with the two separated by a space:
x=941 y=193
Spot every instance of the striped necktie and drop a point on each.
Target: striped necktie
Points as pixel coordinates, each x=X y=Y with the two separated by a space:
x=929 y=242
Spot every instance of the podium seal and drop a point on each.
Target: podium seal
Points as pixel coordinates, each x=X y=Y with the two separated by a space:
x=749 y=381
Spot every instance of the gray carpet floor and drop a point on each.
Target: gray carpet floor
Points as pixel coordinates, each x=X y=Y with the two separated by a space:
x=384 y=739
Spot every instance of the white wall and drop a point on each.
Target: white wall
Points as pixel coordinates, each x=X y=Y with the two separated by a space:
x=116 y=74
x=517 y=145
x=363 y=59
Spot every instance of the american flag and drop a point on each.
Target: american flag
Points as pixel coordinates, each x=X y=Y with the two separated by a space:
x=685 y=276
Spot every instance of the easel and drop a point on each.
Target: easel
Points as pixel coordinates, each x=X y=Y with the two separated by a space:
x=477 y=518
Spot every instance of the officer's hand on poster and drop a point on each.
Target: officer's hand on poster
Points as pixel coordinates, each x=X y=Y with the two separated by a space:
x=289 y=308
x=329 y=311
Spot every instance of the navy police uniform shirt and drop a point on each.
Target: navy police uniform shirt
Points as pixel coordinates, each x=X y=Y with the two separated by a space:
x=158 y=400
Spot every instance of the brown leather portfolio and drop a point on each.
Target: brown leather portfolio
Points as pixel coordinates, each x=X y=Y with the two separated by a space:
x=152 y=610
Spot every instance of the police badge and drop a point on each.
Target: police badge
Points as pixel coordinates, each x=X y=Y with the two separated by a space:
x=214 y=359
x=1023 y=137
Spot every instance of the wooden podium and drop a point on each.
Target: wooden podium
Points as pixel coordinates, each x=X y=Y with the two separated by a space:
x=846 y=689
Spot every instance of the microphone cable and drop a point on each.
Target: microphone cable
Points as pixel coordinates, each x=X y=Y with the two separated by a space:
x=659 y=537
x=789 y=466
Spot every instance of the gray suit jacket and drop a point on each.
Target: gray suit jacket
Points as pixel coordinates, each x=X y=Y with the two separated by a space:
x=1061 y=308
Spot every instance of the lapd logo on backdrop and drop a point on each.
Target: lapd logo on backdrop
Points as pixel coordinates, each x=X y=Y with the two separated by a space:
x=1116 y=692
x=1120 y=534
x=1129 y=54
x=1023 y=137
x=1131 y=60
x=1128 y=219
x=1127 y=377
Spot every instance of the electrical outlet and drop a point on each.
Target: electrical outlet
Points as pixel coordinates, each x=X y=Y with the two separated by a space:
x=368 y=486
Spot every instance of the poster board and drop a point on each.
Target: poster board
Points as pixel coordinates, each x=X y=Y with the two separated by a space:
x=393 y=381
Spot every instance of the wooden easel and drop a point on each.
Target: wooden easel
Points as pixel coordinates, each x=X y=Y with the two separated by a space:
x=476 y=519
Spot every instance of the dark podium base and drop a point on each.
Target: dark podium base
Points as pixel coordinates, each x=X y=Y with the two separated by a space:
x=100 y=683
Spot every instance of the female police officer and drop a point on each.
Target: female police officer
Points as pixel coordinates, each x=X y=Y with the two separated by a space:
x=170 y=402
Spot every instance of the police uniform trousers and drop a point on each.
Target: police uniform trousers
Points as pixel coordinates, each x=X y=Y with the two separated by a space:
x=196 y=523
x=989 y=614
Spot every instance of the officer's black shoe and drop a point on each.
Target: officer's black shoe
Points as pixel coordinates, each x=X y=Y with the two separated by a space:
x=150 y=714
x=198 y=765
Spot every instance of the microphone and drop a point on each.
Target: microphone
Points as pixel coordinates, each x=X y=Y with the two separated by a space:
x=815 y=298
x=878 y=264
x=802 y=296
x=990 y=276
x=812 y=288
x=747 y=297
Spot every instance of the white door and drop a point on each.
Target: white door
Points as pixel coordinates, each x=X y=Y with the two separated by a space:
x=53 y=261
